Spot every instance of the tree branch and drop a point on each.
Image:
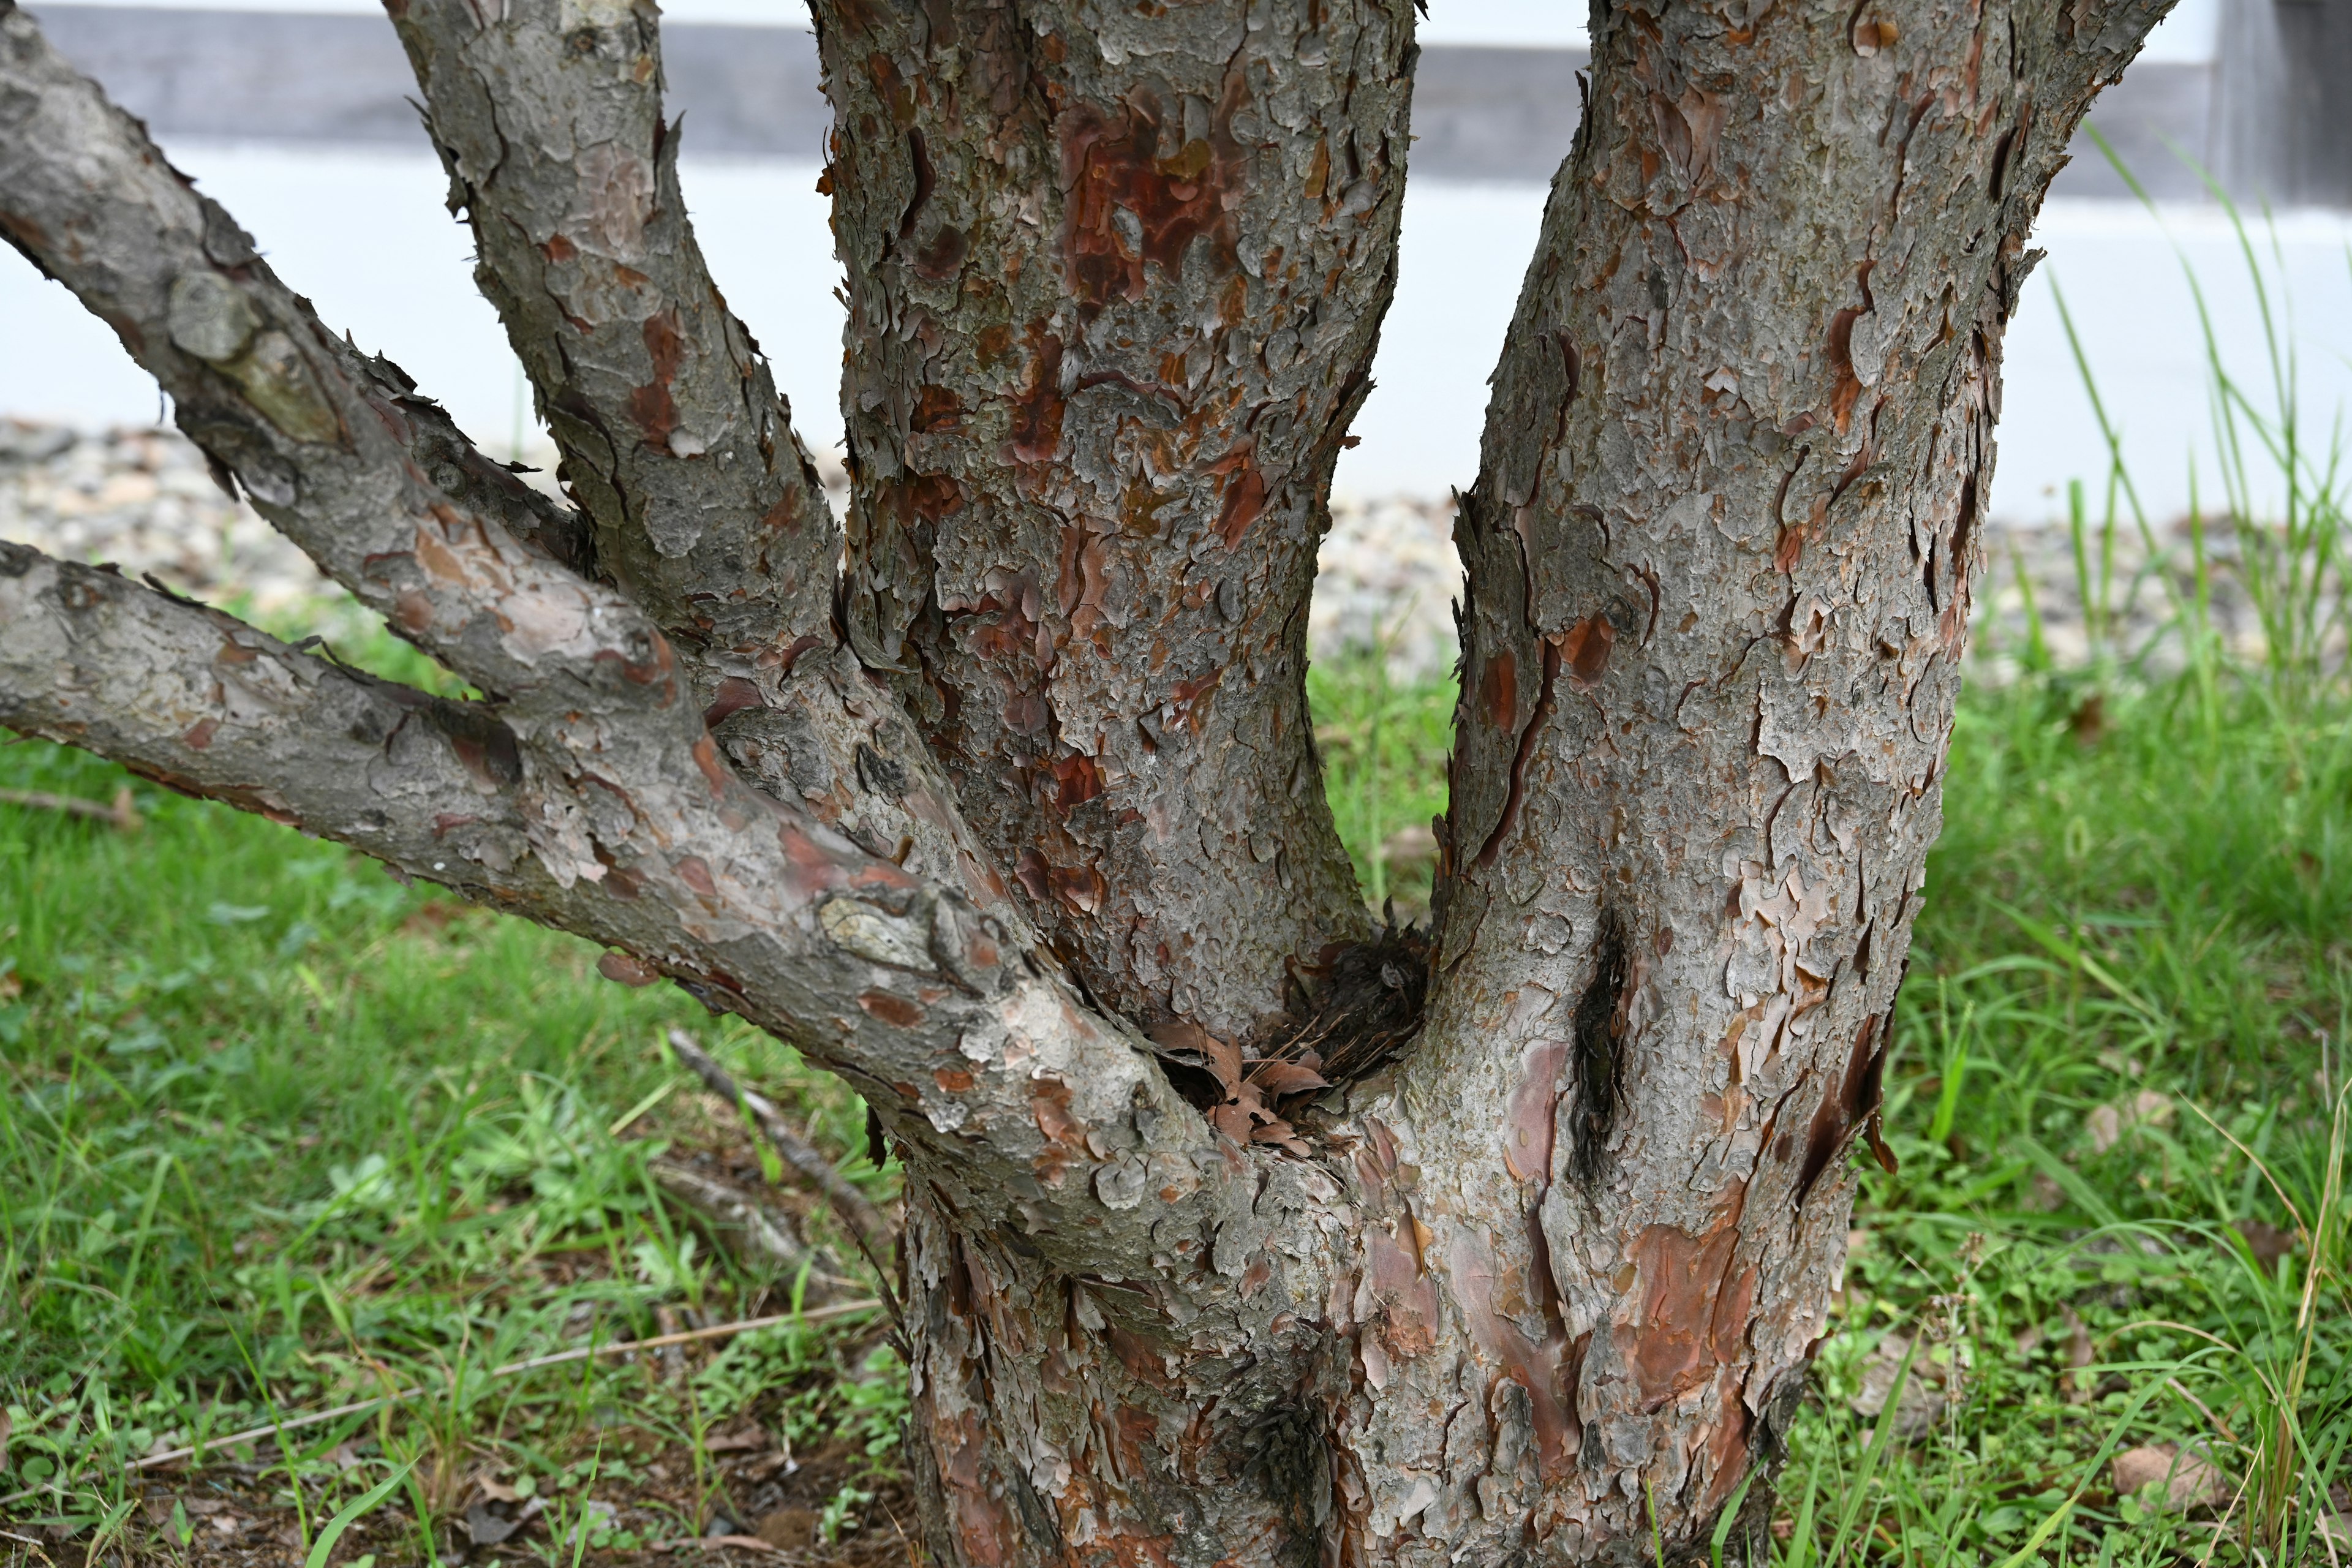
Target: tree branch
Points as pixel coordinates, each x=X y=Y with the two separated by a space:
x=200 y=703
x=857 y=1213
x=334 y=448
x=1115 y=288
x=1719 y=554
x=708 y=511
x=1013 y=1101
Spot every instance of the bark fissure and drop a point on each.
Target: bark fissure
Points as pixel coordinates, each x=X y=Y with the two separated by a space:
x=1598 y=1025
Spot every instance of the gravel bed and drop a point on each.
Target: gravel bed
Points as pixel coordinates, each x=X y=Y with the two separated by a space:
x=143 y=500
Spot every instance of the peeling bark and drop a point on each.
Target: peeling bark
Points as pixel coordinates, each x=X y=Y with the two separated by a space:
x=1719 y=558
x=1115 y=285
x=1522 y=1288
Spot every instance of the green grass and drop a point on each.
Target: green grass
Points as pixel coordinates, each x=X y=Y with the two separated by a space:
x=1384 y=746
x=279 y=1133
x=2121 y=940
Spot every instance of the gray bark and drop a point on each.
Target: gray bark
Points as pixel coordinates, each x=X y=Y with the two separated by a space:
x=1719 y=562
x=1537 y=1283
x=1115 y=285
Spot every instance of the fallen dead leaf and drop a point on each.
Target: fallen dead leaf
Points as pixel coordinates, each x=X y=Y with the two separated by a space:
x=1923 y=1400
x=748 y=1439
x=788 y=1529
x=628 y=969
x=1287 y=1078
x=2267 y=1242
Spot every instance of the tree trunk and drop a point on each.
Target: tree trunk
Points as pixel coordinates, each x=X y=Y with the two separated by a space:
x=1238 y=1230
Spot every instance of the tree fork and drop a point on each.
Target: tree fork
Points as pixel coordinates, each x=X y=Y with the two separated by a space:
x=1538 y=1286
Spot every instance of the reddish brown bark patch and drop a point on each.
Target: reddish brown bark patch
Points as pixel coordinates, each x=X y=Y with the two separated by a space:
x=1847 y=384
x=891 y=1009
x=938 y=408
x=985 y=1525
x=1498 y=690
x=1548 y=1371
x=1585 y=647
x=1527 y=1131
x=1036 y=433
x=651 y=405
x=1077 y=780
x=734 y=695
x=1245 y=499
x=1081 y=888
x=1049 y=1105
x=1110 y=163
x=1188 y=700
x=1694 y=1312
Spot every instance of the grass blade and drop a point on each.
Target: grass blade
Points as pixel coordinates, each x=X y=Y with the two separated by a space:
x=350 y=1513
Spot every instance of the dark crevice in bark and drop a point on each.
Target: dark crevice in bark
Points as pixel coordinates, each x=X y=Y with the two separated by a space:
x=1287 y=1454
x=1600 y=1024
x=1855 y=1104
x=1363 y=1003
x=1546 y=700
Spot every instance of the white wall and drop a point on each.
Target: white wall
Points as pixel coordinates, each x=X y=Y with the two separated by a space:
x=405 y=288
x=1465 y=248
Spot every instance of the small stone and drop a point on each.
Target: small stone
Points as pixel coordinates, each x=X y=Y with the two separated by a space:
x=485 y=1526
x=2188 y=1478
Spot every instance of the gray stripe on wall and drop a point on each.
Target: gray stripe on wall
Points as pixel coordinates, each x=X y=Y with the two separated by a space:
x=1478 y=114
